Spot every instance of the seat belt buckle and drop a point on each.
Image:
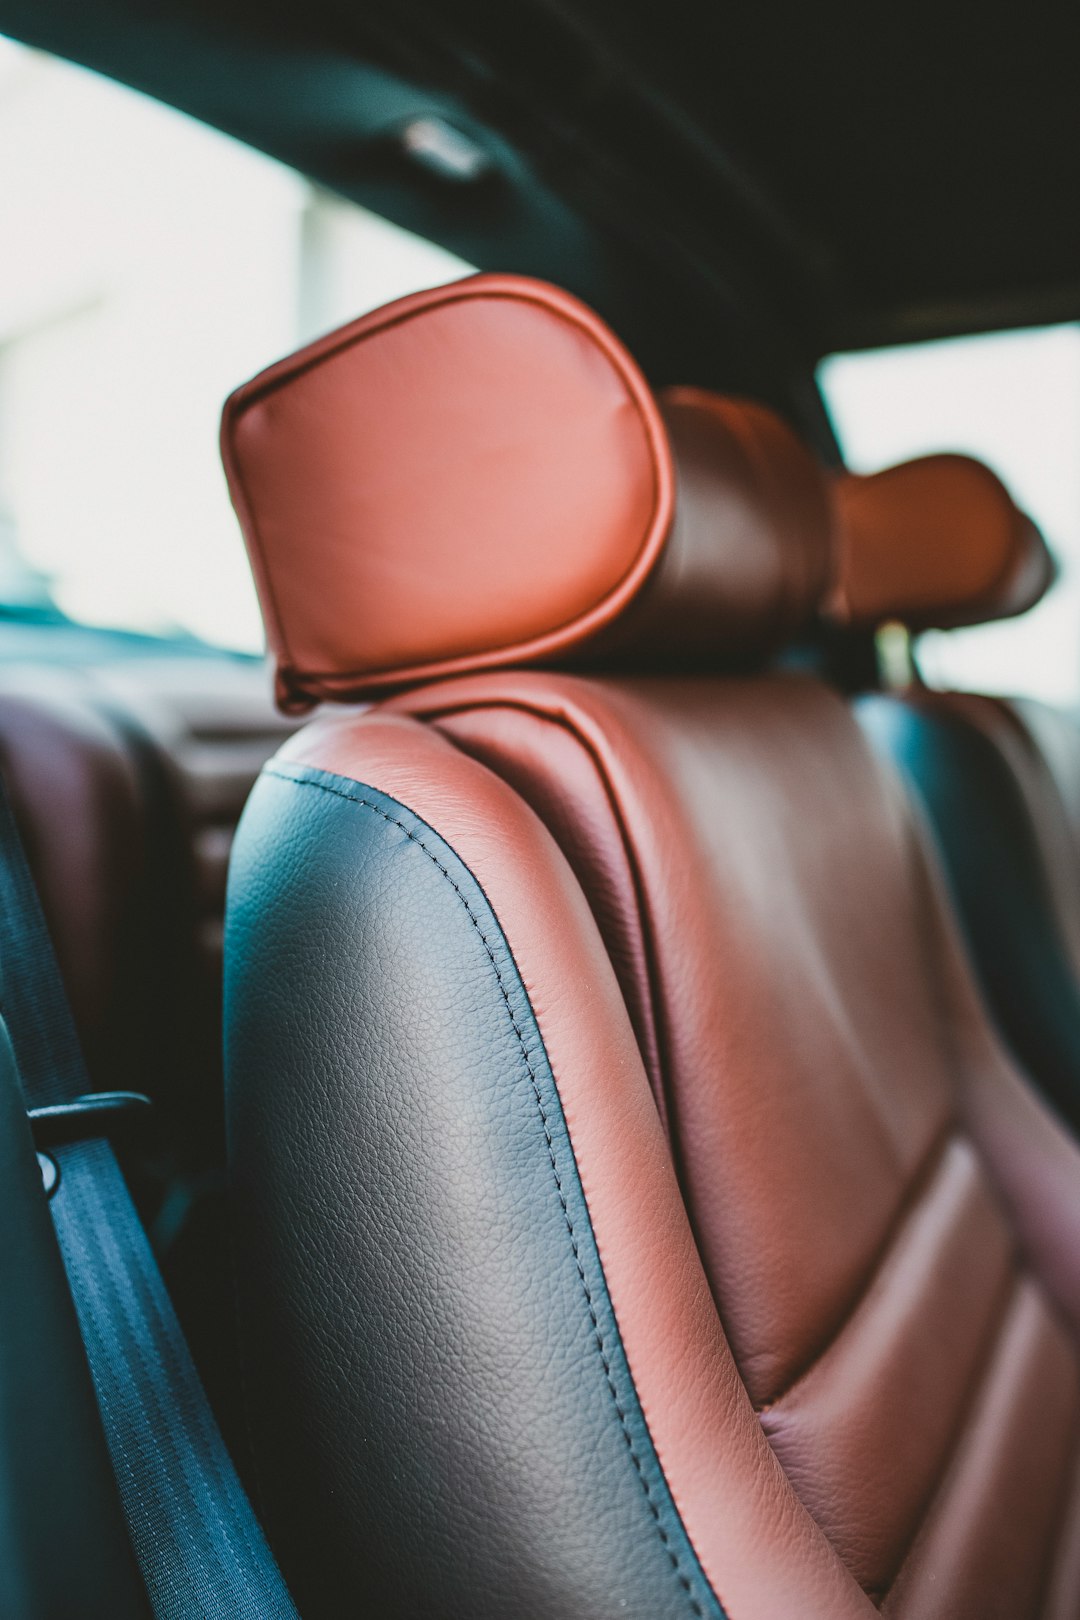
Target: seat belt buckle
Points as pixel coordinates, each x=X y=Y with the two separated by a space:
x=109 y=1114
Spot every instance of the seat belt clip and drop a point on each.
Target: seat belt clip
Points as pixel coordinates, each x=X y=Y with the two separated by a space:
x=109 y=1114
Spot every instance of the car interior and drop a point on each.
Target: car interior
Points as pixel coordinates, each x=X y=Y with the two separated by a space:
x=540 y=815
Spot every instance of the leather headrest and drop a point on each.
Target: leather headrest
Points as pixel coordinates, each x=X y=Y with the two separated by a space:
x=478 y=475
x=934 y=543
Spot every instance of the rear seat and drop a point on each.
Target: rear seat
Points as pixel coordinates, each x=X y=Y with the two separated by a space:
x=126 y=780
x=635 y=1212
x=79 y=800
x=936 y=543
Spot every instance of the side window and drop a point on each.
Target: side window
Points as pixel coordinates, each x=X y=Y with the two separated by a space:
x=150 y=265
x=1012 y=399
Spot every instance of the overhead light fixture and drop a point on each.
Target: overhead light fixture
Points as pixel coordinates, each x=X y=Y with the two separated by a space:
x=444 y=151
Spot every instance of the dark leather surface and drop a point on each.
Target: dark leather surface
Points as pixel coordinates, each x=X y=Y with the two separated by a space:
x=757 y=1543
x=445 y=1420
x=1055 y=734
x=749 y=551
x=995 y=850
x=940 y=541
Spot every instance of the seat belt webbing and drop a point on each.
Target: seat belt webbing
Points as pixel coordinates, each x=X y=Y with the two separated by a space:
x=195 y=1536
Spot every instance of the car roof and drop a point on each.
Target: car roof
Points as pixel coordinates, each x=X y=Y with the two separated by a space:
x=828 y=176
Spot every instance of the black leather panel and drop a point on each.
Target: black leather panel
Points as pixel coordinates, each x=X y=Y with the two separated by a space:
x=990 y=849
x=444 y=1420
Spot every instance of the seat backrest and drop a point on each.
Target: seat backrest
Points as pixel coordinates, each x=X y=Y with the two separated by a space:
x=938 y=542
x=634 y=1212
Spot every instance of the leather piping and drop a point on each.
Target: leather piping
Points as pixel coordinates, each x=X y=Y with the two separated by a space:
x=913 y=1193
x=963 y=1417
x=985 y=1363
x=301 y=689
x=565 y=723
x=329 y=787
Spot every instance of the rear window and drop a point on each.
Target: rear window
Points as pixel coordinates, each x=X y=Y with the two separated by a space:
x=150 y=265
x=1012 y=399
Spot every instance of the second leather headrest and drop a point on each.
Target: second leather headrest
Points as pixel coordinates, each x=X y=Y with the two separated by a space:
x=934 y=543
x=479 y=475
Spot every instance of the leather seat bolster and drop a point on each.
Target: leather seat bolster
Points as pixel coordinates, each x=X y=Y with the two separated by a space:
x=525 y=1400
x=984 y=824
x=1033 y=1159
x=523 y=1134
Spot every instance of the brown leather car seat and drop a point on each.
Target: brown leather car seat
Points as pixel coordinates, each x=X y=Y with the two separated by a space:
x=634 y=1212
x=936 y=543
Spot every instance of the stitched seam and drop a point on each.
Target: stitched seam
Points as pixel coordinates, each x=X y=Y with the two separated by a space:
x=917 y=1186
x=366 y=804
x=637 y=391
x=967 y=1415
x=654 y=1008
x=241 y=1337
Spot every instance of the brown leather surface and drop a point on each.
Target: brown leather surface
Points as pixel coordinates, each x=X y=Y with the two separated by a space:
x=479 y=476
x=1033 y=1158
x=839 y=1232
x=81 y=810
x=1062 y=1599
x=713 y=785
x=211 y=725
x=913 y=1345
x=983 y=1550
x=759 y=1547
x=999 y=780
x=127 y=781
x=472 y=475
x=749 y=553
x=934 y=543
x=867 y=1178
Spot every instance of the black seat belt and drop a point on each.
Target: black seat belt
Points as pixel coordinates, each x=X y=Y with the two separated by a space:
x=196 y=1539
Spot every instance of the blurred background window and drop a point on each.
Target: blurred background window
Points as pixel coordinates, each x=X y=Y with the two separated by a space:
x=150 y=265
x=1012 y=399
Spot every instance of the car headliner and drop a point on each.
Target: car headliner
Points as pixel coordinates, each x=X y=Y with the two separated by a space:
x=821 y=176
